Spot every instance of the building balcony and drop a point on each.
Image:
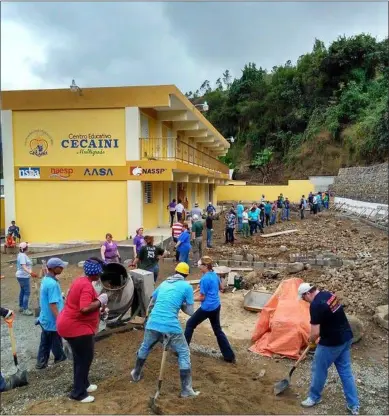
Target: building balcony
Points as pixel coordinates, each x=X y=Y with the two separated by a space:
x=170 y=148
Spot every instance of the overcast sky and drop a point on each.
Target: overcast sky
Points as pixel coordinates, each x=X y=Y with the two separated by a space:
x=45 y=45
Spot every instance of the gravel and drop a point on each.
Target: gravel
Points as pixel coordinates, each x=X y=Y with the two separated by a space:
x=27 y=337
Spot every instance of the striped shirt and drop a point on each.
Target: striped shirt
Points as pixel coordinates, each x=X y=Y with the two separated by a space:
x=177 y=229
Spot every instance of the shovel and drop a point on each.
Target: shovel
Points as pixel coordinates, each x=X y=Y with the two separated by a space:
x=282 y=385
x=153 y=400
x=18 y=379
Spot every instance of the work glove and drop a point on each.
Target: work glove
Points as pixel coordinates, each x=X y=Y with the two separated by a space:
x=103 y=298
x=10 y=315
x=104 y=313
x=33 y=274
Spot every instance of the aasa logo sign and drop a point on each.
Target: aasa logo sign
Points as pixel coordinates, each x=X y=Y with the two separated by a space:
x=137 y=171
x=98 y=172
x=61 y=173
x=29 y=173
x=38 y=141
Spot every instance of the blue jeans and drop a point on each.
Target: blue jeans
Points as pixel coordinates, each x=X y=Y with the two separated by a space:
x=214 y=317
x=323 y=359
x=177 y=343
x=287 y=214
x=25 y=290
x=273 y=218
x=155 y=271
x=240 y=223
x=184 y=256
x=50 y=341
x=2 y=383
x=209 y=237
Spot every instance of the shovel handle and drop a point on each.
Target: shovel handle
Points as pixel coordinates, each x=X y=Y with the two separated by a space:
x=303 y=355
x=13 y=342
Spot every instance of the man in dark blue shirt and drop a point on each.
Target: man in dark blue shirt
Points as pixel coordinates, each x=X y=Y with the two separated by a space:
x=329 y=322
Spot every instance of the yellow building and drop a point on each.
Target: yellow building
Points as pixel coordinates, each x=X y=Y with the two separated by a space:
x=79 y=164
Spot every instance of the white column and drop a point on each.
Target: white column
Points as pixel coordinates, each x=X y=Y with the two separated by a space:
x=132 y=117
x=8 y=167
x=134 y=188
x=134 y=206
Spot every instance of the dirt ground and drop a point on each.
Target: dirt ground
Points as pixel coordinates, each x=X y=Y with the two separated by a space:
x=243 y=388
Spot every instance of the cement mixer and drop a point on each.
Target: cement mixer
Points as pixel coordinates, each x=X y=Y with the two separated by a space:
x=128 y=295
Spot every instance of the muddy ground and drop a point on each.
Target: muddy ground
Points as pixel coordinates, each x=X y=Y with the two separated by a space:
x=244 y=388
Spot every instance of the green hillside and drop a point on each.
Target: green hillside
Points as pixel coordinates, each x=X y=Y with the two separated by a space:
x=329 y=110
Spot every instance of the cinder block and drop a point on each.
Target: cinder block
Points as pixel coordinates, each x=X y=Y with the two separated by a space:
x=245 y=263
x=270 y=264
x=237 y=257
x=311 y=261
x=168 y=259
x=327 y=262
x=144 y=284
x=250 y=257
x=223 y=263
x=281 y=264
x=256 y=257
x=319 y=257
x=258 y=265
x=234 y=263
x=320 y=262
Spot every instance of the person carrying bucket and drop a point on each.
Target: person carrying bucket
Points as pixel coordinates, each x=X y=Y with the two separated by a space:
x=167 y=300
x=148 y=257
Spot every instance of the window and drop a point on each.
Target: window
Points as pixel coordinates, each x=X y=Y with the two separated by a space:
x=148 y=193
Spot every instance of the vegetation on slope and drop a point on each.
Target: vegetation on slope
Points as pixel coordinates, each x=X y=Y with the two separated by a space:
x=327 y=111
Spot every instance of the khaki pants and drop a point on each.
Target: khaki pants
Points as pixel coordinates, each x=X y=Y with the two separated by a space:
x=197 y=249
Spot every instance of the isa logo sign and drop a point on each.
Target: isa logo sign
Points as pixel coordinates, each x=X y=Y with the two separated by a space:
x=29 y=173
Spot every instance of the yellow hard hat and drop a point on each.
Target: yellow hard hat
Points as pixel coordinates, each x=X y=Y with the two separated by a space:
x=182 y=268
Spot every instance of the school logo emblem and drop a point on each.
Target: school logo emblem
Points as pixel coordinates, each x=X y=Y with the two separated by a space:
x=136 y=171
x=38 y=142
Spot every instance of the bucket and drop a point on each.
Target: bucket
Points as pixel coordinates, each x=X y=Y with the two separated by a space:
x=238 y=282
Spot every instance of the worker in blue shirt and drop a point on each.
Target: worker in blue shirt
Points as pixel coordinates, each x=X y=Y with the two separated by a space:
x=239 y=213
x=167 y=300
x=51 y=303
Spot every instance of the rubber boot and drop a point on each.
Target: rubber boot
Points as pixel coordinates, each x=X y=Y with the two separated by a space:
x=186 y=384
x=136 y=373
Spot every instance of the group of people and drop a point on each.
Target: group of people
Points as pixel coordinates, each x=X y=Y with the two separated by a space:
x=12 y=237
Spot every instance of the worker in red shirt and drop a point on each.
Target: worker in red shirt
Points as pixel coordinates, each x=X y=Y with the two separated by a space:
x=78 y=322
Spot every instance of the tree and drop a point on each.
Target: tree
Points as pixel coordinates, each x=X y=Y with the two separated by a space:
x=263 y=161
x=227 y=78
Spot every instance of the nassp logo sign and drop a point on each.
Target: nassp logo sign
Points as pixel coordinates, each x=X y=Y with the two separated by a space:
x=138 y=171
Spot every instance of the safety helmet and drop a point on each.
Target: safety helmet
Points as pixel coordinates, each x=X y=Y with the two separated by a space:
x=182 y=268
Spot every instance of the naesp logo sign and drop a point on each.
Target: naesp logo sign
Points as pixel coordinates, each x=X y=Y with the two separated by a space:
x=61 y=173
x=98 y=172
x=138 y=171
x=29 y=173
x=38 y=142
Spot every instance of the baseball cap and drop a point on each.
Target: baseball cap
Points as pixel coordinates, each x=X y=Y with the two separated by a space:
x=196 y=204
x=23 y=245
x=303 y=288
x=56 y=262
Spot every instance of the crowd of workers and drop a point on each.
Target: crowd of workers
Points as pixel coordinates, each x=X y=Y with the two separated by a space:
x=76 y=318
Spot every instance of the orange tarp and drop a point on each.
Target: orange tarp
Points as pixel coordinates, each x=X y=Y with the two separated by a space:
x=283 y=324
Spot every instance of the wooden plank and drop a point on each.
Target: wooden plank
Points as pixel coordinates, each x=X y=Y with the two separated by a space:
x=241 y=269
x=279 y=233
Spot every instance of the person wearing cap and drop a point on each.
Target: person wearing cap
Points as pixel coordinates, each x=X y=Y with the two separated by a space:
x=197 y=239
x=211 y=209
x=23 y=274
x=51 y=303
x=196 y=211
x=329 y=322
x=163 y=325
x=78 y=322
x=209 y=297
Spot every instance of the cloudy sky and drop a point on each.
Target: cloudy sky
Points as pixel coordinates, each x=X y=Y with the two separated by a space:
x=45 y=45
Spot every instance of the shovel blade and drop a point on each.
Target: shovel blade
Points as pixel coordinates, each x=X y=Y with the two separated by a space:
x=281 y=386
x=19 y=379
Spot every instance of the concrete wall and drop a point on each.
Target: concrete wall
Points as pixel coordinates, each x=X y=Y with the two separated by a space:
x=368 y=184
x=2 y=216
x=294 y=190
x=321 y=183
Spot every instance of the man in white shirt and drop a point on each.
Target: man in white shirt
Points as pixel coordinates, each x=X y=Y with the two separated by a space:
x=179 y=210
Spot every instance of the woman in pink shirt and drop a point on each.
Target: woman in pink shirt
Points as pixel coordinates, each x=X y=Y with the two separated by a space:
x=78 y=322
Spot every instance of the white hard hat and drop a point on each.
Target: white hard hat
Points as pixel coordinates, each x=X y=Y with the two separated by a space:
x=303 y=288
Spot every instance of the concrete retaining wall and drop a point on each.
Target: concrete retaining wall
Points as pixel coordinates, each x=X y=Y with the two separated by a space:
x=368 y=184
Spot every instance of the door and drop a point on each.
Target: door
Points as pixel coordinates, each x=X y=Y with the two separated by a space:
x=170 y=145
x=144 y=134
